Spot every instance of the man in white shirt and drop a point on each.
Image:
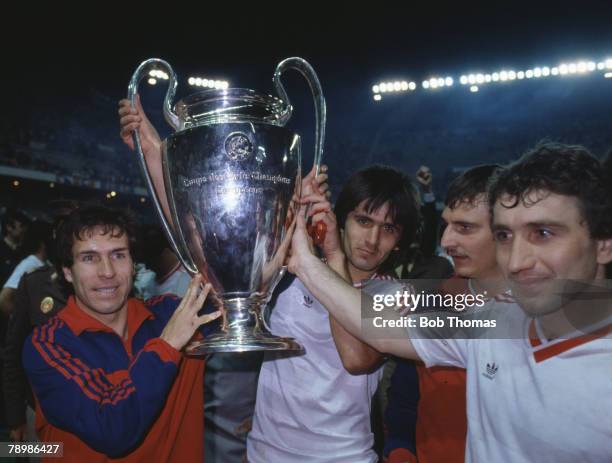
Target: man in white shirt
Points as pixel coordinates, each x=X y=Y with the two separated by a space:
x=542 y=395
x=315 y=407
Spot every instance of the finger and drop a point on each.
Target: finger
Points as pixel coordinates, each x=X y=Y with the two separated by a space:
x=321 y=178
x=328 y=194
x=129 y=119
x=127 y=110
x=201 y=298
x=207 y=318
x=319 y=208
x=323 y=168
x=313 y=198
x=128 y=129
x=192 y=289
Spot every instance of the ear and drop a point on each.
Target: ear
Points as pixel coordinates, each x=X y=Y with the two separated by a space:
x=67 y=274
x=604 y=251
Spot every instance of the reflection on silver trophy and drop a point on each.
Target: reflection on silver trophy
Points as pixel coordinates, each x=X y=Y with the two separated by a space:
x=232 y=172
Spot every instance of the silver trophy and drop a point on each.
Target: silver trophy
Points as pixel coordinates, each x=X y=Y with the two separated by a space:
x=232 y=172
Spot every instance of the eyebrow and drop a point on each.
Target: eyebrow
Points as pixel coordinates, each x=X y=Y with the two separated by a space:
x=366 y=216
x=540 y=224
x=93 y=251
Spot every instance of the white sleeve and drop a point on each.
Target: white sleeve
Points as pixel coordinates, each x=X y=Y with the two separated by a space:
x=441 y=352
x=24 y=266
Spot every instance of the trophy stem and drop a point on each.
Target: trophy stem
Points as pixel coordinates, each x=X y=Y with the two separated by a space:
x=243 y=330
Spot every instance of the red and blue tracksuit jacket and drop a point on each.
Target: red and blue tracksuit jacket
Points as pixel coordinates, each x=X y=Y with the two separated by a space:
x=107 y=398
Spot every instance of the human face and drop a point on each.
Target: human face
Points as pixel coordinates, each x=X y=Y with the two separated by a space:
x=545 y=250
x=467 y=238
x=368 y=238
x=101 y=273
x=16 y=231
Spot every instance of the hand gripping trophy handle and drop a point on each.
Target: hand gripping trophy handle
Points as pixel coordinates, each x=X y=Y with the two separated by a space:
x=141 y=72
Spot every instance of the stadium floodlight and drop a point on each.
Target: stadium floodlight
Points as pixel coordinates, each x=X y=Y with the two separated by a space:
x=563 y=69
x=448 y=81
x=113 y=193
x=412 y=85
x=433 y=83
x=397 y=86
x=601 y=66
x=608 y=75
x=377 y=97
x=472 y=79
x=591 y=66
x=441 y=82
x=463 y=80
x=375 y=89
x=572 y=68
x=511 y=75
x=404 y=85
x=495 y=76
x=151 y=81
x=487 y=78
x=191 y=81
x=503 y=76
x=425 y=84
x=555 y=71
x=383 y=87
x=153 y=73
x=545 y=71
x=211 y=84
x=581 y=67
x=537 y=73
x=609 y=63
x=480 y=78
x=520 y=75
x=198 y=81
x=529 y=73
x=474 y=88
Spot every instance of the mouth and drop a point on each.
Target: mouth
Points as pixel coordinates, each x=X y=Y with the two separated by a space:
x=459 y=257
x=107 y=290
x=366 y=252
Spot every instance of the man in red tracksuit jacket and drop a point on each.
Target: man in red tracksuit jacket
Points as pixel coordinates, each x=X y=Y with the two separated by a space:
x=107 y=372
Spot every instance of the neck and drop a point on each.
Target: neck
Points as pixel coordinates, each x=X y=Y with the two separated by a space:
x=358 y=275
x=116 y=321
x=492 y=282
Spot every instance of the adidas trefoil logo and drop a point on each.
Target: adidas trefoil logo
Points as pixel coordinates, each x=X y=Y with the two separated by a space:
x=308 y=301
x=491 y=370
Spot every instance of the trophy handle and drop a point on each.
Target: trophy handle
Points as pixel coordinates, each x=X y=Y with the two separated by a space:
x=310 y=75
x=172 y=119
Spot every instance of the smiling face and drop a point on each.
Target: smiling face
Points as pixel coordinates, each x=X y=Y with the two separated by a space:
x=368 y=238
x=101 y=273
x=467 y=238
x=543 y=247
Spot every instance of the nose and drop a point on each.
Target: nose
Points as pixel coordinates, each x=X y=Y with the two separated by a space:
x=106 y=268
x=521 y=256
x=372 y=237
x=448 y=238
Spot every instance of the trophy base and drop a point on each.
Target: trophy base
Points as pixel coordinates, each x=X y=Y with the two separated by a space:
x=249 y=343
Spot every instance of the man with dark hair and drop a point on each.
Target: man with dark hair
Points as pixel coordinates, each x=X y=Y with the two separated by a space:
x=539 y=393
x=107 y=372
x=318 y=403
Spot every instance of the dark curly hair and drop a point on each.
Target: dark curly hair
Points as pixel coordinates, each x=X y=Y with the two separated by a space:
x=84 y=218
x=378 y=185
x=471 y=183
x=568 y=170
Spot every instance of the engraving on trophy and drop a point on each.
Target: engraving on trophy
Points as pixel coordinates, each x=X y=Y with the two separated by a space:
x=238 y=147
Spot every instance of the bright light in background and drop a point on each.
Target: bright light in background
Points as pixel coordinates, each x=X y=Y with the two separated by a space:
x=377 y=97
x=15 y=182
x=151 y=81
x=477 y=79
x=207 y=83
